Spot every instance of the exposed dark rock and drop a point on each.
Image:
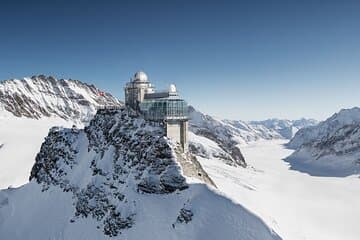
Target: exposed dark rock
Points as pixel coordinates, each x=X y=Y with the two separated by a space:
x=185 y=215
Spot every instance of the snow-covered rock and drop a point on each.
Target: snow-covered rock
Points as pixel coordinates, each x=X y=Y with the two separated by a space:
x=119 y=178
x=325 y=128
x=330 y=148
x=218 y=132
x=42 y=96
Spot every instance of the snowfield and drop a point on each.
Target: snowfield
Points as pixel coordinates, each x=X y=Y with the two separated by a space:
x=296 y=205
x=155 y=215
x=21 y=139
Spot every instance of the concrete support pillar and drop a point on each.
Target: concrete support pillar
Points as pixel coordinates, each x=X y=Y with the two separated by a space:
x=177 y=130
x=184 y=135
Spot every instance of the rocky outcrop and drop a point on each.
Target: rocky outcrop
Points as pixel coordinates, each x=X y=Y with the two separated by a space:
x=185 y=215
x=120 y=149
x=192 y=168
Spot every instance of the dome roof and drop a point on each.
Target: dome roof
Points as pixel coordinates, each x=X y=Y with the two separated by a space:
x=140 y=77
x=172 y=88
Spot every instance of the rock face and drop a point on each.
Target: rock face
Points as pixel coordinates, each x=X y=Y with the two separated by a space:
x=118 y=178
x=120 y=149
x=215 y=131
x=331 y=148
x=42 y=96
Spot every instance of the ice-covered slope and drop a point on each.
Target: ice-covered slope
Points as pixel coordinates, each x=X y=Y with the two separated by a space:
x=29 y=107
x=119 y=178
x=41 y=96
x=332 y=148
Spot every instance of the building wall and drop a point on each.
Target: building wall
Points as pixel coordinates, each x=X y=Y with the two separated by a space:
x=134 y=94
x=178 y=132
x=173 y=131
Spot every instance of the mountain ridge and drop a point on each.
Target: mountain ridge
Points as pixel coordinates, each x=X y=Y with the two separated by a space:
x=330 y=148
x=45 y=96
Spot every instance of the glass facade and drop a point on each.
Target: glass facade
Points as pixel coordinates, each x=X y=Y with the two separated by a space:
x=161 y=109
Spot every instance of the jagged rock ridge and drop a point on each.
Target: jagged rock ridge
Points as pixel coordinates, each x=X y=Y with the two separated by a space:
x=42 y=96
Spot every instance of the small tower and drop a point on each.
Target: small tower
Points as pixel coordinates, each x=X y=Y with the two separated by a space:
x=164 y=108
x=135 y=90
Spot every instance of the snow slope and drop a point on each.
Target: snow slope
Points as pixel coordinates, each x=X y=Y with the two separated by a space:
x=119 y=178
x=330 y=149
x=297 y=205
x=21 y=139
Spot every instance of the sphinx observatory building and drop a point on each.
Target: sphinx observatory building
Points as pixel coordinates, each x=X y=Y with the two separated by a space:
x=165 y=108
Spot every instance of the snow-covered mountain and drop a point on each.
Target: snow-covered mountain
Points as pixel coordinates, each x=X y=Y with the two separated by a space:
x=330 y=148
x=204 y=128
x=120 y=178
x=41 y=96
x=222 y=139
x=29 y=107
x=286 y=128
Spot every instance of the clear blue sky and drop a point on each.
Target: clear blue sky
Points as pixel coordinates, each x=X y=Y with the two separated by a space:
x=233 y=59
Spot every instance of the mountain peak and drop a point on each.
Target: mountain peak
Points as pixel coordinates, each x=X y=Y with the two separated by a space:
x=45 y=96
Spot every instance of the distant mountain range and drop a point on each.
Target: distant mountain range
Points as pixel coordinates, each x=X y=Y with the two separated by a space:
x=331 y=148
x=223 y=138
x=285 y=128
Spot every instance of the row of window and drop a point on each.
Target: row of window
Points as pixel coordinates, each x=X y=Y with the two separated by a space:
x=161 y=109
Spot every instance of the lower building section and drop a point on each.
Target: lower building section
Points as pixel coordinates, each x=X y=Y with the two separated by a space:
x=177 y=131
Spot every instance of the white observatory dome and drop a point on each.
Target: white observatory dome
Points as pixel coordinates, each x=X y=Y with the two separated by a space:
x=172 y=88
x=140 y=77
